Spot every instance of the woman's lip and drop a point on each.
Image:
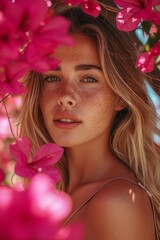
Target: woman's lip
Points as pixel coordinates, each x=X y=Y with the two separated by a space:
x=66 y=115
x=66 y=125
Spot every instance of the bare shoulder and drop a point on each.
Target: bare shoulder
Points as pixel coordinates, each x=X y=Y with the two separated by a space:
x=121 y=210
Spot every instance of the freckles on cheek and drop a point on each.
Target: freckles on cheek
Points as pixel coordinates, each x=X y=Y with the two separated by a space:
x=48 y=97
x=99 y=104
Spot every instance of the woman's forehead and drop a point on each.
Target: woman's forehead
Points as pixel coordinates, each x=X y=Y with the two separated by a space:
x=83 y=49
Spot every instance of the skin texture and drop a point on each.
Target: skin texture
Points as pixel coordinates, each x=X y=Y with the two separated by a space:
x=121 y=210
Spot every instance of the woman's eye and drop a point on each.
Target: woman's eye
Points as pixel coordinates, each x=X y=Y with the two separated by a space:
x=89 y=79
x=52 y=78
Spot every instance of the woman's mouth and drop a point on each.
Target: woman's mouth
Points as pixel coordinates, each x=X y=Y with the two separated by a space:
x=65 y=120
x=67 y=123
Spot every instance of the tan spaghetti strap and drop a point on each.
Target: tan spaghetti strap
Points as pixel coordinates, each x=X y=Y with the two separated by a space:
x=104 y=184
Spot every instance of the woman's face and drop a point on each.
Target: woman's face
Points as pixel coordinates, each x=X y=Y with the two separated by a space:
x=77 y=105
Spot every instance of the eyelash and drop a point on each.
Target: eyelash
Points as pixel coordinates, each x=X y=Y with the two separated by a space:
x=89 y=78
x=51 y=77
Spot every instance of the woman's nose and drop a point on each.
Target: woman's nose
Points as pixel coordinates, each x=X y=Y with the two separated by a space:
x=67 y=98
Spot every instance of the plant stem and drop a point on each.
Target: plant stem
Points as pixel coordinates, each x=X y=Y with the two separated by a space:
x=10 y=125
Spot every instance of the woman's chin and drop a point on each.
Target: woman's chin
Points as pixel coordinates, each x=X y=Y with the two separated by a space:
x=64 y=144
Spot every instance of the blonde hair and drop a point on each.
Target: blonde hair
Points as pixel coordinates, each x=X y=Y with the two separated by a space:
x=133 y=128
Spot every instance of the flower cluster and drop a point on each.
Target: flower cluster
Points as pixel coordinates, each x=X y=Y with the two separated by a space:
x=132 y=15
x=145 y=15
x=35 y=212
x=27 y=42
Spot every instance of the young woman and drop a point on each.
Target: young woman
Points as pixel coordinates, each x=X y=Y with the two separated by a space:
x=95 y=105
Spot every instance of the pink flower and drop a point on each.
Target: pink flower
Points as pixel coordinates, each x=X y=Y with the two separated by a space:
x=39 y=53
x=146 y=61
x=8 y=44
x=2 y=175
x=134 y=11
x=9 y=83
x=90 y=7
x=43 y=161
x=35 y=213
x=28 y=42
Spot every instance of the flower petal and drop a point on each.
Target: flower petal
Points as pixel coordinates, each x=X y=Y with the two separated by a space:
x=48 y=154
x=91 y=7
x=48 y=200
x=145 y=62
x=20 y=150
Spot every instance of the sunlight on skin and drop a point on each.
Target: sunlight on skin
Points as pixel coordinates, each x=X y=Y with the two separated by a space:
x=131 y=192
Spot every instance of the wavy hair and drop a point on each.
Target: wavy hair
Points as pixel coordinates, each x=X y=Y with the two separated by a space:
x=133 y=128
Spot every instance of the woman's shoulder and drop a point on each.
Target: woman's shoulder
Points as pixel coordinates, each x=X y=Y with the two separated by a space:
x=121 y=190
x=121 y=209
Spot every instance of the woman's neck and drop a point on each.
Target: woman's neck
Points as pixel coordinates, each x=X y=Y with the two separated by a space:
x=88 y=163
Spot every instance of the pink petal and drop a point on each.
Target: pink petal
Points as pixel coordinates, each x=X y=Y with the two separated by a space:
x=38 y=61
x=126 y=21
x=25 y=170
x=46 y=200
x=25 y=13
x=129 y=3
x=6 y=200
x=13 y=88
x=16 y=69
x=156 y=17
x=91 y=7
x=52 y=172
x=54 y=32
x=32 y=7
x=20 y=150
x=9 y=79
x=48 y=154
x=145 y=62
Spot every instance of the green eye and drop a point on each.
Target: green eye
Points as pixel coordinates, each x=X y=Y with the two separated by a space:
x=89 y=79
x=52 y=78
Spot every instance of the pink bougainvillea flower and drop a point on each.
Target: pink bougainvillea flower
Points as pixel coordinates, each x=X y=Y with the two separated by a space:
x=9 y=78
x=2 y=175
x=9 y=48
x=52 y=33
x=37 y=60
x=42 y=187
x=43 y=161
x=90 y=7
x=134 y=11
x=146 y=60
x=28 y=42
x=24 y=19
x=39 y=52
x=34 y=213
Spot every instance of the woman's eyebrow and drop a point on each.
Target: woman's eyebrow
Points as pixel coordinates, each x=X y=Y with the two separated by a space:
x=82 y=67
x=87 y=67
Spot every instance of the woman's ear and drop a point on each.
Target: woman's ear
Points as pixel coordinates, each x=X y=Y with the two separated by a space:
x=120 y=104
